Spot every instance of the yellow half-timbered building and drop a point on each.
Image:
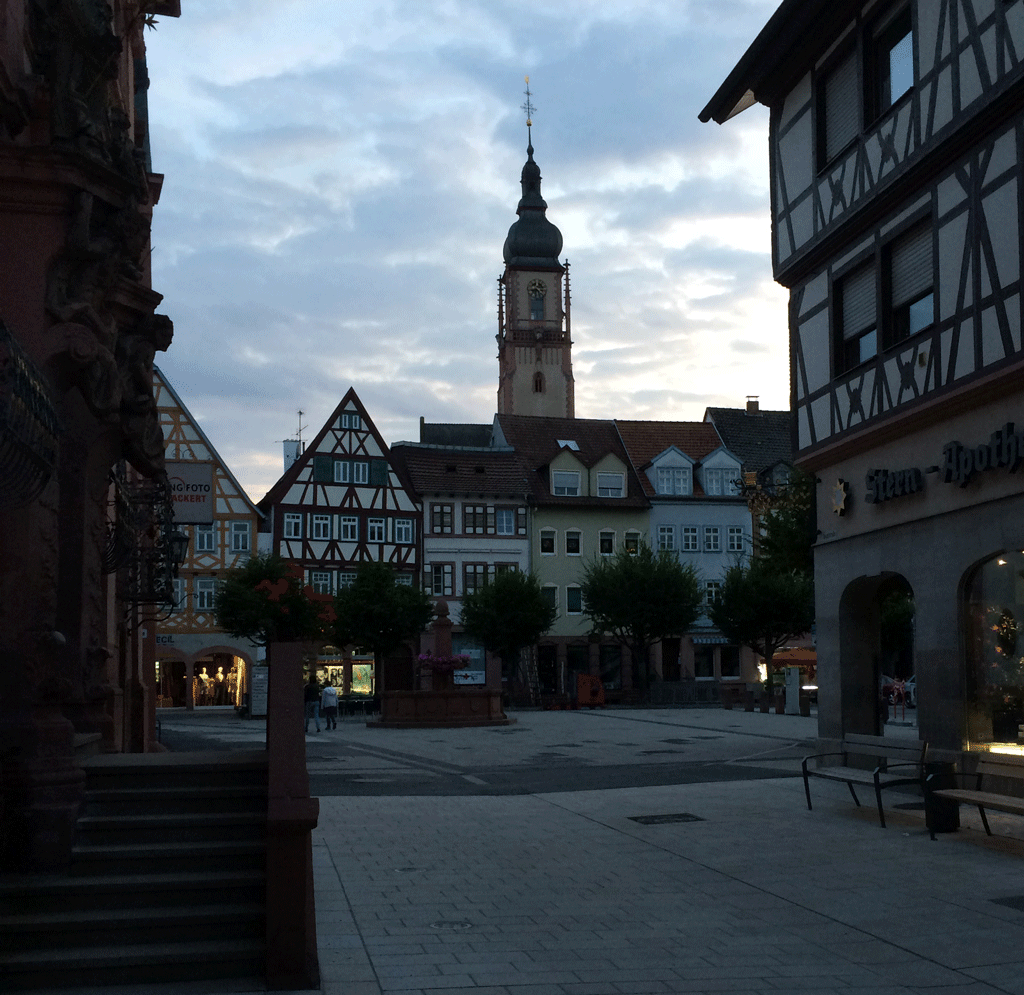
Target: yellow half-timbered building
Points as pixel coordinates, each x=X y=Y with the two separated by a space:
x=197 y=663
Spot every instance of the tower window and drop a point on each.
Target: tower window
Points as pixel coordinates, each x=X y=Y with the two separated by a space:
x=536 y=291
x=538 y=383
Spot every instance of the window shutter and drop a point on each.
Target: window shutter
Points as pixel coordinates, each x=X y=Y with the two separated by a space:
x=378 y=472
x=912 y=265
x=521 y=521
x=842 y=106
x=323 y=468
x=858 y=290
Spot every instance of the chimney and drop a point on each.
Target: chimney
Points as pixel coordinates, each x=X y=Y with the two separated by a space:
x=291 y=452
x=752 y=405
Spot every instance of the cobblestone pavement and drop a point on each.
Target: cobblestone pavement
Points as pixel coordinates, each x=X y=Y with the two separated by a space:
x=717 y=886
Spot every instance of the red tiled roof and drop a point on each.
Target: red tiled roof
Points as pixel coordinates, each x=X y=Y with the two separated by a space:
x=646 y=439
x=461 y=471
x=536 y=442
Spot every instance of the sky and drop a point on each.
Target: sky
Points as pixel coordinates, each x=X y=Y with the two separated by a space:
x=340 y=178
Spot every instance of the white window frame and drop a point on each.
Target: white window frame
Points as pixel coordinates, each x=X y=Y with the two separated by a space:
x=321 y=527
x=292 y=525
x=206 y=593
x=611 y=485
x=735 y=539
x=403 y=530
x=360 y=472
x=565 y=483
x=241 y=537
x=689 y=539
x=553 y=535
x=712 y=539
x=442 y=579
x=342 y=471
x=631 y=542
x=349 y=528
x=346 y=578
x=711 y=588
x=579 y=542
x=320 y=581
x=505 y=521
x=672 y=480
x=667 y=537
x=205 y=539
x=376 y=530
x=600 y=542
x=178 y=594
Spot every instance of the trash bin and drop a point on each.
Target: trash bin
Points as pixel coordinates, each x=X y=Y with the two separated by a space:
x=940 y=814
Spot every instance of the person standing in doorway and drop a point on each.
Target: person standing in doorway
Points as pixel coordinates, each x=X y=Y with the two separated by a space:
x=311 y=697
x=329 y=706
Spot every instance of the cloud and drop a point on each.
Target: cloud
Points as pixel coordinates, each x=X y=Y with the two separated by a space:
x=340 y=179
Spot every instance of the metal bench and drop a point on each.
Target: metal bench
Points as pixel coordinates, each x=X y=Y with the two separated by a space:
x=897 y=762
x=1001 y=801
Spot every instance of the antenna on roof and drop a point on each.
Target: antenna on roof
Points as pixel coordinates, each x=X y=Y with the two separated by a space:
x=298 y=431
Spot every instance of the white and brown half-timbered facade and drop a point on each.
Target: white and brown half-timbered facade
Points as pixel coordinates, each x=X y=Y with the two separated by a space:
x=196 y=662
x=343 y=502
x=897 y=144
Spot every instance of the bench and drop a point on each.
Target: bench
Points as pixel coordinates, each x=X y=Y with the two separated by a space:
x=888 y=754
x=998 y=800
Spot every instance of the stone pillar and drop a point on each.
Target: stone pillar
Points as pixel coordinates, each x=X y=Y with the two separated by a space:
x=291 y=818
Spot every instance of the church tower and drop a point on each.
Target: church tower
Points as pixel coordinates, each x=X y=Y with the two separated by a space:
x=534 y=348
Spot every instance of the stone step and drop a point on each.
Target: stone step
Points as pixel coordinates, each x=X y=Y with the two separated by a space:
x=195 y=798
x=95 y=927
x=167 y=827
x=237 y=768
x=48 y=893
x=191 y=960
x=136 y=858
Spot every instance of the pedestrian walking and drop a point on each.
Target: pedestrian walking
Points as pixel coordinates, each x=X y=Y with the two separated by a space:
x=311 y=697
x=329 y=706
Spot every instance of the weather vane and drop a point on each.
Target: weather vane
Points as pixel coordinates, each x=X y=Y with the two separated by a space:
x=529 y=108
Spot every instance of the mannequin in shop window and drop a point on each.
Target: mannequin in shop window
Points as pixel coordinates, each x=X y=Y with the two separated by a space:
x=205 y=688
x=219 y=695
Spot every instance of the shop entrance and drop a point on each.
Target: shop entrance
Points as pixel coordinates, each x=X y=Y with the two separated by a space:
x=876 y=618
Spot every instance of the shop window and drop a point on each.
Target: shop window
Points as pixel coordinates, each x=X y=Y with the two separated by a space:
x=729 y=662
x=994 y=693
x=704 y=663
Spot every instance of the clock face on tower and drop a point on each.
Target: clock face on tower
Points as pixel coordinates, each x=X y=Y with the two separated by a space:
x=536 y=288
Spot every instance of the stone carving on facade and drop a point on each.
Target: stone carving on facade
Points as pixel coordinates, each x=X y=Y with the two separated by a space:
x=140 y=422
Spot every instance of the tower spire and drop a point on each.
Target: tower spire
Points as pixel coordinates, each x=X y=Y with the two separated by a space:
x=529 y=108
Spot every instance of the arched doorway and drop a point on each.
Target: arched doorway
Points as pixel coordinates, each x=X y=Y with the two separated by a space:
x=994 y=643
x=875 y=632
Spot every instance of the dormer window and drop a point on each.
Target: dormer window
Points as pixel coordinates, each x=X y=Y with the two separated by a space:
x=673 y=480
x=611 y=485
x=565 y=483
x=718 y=481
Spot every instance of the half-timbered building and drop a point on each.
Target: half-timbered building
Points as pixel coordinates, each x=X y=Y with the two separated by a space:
x=896 y=150
x=197 y=663
x=343 y=501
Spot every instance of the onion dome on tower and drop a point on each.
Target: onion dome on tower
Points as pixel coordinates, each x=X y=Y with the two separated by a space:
x=532 y=240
